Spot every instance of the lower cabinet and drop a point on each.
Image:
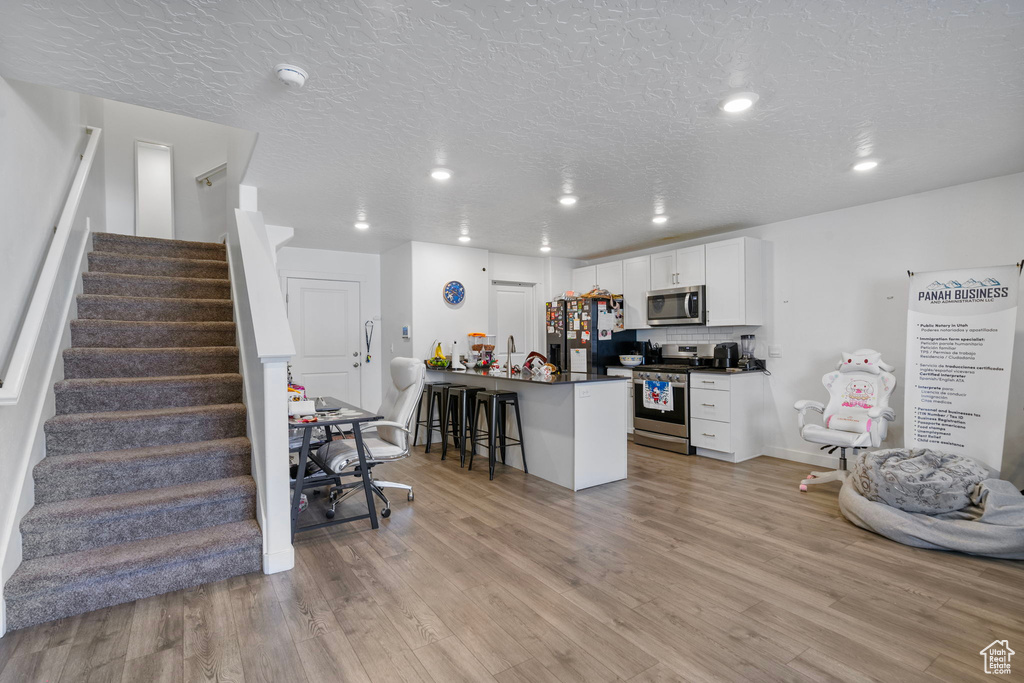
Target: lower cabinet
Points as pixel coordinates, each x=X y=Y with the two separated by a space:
x=726 y=415
x=625 y=372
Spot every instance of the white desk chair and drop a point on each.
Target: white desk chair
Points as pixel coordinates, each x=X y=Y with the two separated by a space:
x=857 y=415
x=393 y=433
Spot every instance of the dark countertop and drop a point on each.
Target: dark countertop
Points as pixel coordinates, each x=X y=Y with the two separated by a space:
x=708 y=370
x=566 y=378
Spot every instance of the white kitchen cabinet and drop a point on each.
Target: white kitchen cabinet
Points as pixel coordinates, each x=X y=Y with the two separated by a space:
x=636 y=282
x=735 y=293
x=584 y=279
x=663 y=270
x=690 y=266
x=609 y=276
x=678 y=268
x=625 y=372
x=726 y=415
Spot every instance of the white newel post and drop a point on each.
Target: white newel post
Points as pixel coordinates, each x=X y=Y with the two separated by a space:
x=278 y=554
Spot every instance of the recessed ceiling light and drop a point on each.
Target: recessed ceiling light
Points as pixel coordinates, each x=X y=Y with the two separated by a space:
x=866 y=165
x=440 y=174
x=545 y=248
x=737 y=102
x=567 y=200
x=659 y=219
x=463 y=238
x=362 y=225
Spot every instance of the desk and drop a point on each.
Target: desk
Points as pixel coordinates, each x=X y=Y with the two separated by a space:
x=345 y=415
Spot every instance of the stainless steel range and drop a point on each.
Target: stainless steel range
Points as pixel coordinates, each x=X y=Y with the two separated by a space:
x=666 y=429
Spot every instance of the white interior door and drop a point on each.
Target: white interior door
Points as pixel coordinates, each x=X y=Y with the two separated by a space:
x=326 y=328
x=154 y=190
x=513 y=313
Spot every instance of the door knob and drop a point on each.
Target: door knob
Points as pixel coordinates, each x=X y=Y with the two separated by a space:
x=355 y=365
x=355 y=353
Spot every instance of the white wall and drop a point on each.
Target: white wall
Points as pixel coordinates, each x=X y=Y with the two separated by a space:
x=396 y=302
x=433 y=265
x=838 y=281
x=197 y=146
x=41 y=135
x=343 y=265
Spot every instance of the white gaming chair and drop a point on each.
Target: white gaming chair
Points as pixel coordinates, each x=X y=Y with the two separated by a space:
x=857 y=415
x=392 y=438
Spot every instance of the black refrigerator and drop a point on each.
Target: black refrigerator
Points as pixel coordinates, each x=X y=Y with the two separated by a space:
x=587 y=327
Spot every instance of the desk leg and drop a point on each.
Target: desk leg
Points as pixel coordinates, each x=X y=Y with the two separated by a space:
x=361 y=451
x=300 y=475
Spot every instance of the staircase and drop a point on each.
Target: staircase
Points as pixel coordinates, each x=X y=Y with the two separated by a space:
x=146 y=487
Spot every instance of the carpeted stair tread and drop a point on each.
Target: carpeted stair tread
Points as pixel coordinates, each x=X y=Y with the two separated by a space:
x=151 y=334
x=81 y=475
x=131 y=264
x=95 y=362
x=80 y=524
x=104 y=394
x=62 y=585
x=124 y=284
x=155 y=246
x=139 y=308
x=115 y=430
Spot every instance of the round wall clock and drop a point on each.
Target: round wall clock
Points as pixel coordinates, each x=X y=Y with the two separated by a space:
x=454 y=292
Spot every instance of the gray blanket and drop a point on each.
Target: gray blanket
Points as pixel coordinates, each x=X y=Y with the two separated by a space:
x=991 y=525
x=918 y=480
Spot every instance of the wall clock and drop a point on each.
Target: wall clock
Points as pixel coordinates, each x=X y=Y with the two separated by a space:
x=454 y=292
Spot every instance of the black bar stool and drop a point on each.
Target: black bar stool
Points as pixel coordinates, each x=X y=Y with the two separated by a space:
x=461 y=401
x=495 y=404
x=438 y=399
x=421 y=423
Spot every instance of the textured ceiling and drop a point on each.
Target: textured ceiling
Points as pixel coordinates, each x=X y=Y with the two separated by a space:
x=615 y=101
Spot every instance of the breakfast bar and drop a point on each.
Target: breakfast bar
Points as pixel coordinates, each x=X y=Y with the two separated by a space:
x=574 y=424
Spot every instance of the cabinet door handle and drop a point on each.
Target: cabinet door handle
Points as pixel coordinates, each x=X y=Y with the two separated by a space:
x=711 y=435
x=709 y=405
x=708 y=381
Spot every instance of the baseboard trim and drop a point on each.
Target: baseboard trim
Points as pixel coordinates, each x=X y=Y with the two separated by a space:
x=281 y=561
x=3 y=617
x=817 y=459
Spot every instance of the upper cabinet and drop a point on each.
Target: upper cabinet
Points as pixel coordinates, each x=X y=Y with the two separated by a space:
x=678 y=268
x=584 y=279
x=636 y=282
x=734 y=286
x=606 y=276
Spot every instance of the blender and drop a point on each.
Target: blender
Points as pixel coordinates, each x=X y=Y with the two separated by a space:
x=747 y=360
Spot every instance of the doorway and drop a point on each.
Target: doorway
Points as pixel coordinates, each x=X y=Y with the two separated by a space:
x=514 y=312
x=154 y=190
x=324 y=318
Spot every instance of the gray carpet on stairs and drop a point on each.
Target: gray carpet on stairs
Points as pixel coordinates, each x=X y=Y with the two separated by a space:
x=146 y=485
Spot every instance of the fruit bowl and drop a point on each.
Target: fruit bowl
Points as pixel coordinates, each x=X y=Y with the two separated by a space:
x=631 y=361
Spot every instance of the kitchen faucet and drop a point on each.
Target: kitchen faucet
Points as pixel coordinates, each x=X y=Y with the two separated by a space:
x=511 y=349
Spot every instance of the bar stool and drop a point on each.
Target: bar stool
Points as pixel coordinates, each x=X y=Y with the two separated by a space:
x=495 y=404
x=461 y=401
x=421 y=423
x=438 y=398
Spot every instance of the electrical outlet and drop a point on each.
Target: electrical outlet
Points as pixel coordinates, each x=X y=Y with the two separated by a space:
x=775 y=351
x=584 y=391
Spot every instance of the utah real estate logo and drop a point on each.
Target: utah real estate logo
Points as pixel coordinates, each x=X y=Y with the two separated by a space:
x=997 y=657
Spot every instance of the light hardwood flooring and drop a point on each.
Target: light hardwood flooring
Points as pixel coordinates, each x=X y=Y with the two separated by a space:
x=690 y=570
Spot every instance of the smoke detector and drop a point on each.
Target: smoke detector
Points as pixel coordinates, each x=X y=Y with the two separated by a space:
x=291 y=75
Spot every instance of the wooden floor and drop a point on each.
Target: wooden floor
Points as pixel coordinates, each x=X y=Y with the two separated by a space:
x=691 y=570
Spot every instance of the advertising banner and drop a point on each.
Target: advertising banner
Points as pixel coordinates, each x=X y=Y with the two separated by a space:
x=960 y=329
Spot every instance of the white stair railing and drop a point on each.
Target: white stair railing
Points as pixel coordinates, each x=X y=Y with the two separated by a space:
x=265 y=347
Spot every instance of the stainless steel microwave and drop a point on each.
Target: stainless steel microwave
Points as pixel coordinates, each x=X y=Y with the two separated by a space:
x=676 y=306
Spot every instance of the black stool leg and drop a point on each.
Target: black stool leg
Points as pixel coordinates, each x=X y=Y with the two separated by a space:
x=519 y=429
x=430 y=419
x=463 y=421
x=492 y=427
x=419 y=408
x=474 y=431
x=503 y=415
x=443 y=417
x=444 y=432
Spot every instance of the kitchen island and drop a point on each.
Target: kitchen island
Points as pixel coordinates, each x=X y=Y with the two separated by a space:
x=574 y=424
